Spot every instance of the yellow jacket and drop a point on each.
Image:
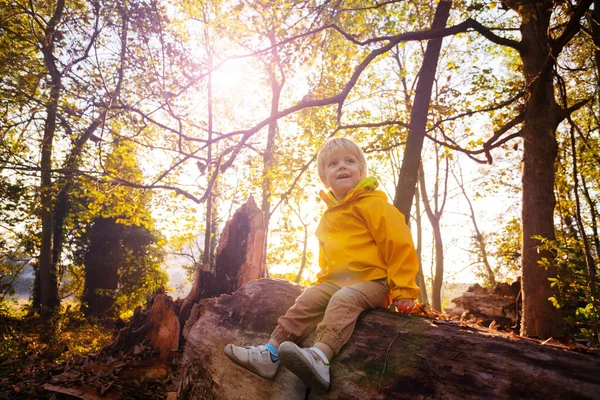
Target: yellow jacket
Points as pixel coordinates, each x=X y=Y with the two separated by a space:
x=364 y=238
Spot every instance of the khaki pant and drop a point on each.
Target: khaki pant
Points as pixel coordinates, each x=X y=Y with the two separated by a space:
x=332 y=310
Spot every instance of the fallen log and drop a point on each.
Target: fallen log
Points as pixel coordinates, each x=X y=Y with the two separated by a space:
x=499 y=305
x=390 y=356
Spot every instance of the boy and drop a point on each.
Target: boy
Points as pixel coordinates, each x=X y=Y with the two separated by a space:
x=367 y=260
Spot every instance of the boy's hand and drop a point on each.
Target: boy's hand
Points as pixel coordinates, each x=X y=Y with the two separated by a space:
x=404 y=305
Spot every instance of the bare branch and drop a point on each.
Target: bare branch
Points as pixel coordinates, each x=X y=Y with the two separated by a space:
x=491 y=36
x=373 y=125
x=283 y=197
x=469 y=113
x=177 y=190
x=572 y=27
x=91 y=42
x=570 y=110
x=375 y=6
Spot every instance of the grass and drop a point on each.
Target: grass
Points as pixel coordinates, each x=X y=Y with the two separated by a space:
x=25 y=361
x=73 y=336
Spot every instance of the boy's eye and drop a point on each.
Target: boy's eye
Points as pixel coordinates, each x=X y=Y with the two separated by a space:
x=351 y=161
x=332 y=164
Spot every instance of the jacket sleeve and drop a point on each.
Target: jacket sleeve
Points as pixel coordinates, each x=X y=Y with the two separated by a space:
x=394 y=240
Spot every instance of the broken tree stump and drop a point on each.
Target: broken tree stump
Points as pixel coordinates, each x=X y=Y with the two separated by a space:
x=158 y=325
x=164 y=334
x=390 y=356
x=239 y=258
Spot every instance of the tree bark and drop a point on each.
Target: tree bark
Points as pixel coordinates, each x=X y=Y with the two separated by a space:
x=420 y=276
x=389 y=356
x=276 y=88
x=48 y=279
x=542 y=116
x=434 y=216
x=480 y=239
x=438 y=279
x=158 y=324
x=589 y=258
x=498 y=305
x=207 y=258
x=591 y=203
x=595 y=22
x=409 y=171
x=101 y=268
x=239 y=259
x=304 y=251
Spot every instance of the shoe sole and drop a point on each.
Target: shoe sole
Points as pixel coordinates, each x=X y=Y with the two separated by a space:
x=229 y=353
x=295 y=361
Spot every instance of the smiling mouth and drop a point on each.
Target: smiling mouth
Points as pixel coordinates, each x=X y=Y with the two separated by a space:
x=343 y=176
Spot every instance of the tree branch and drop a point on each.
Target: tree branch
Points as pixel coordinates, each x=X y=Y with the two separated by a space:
x=572 y=27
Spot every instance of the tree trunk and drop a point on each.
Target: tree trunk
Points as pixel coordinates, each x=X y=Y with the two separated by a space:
x=595 y=22
x=304 y=250
x=389 y=356
x=438 y=279
x=48 y=280
x=589 y=258
x=542 y=116
x=101 y=269
x=409 y=171
x=434 y=216
x=420 y=276
x=54 y=210
x=591 y=203
x=276 y=88
x=207 y=258
x=480 y=239
x=63 y=200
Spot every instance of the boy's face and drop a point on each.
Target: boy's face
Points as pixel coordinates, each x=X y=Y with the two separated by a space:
x=341 y=173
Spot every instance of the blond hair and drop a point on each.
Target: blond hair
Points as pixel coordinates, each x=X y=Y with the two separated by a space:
x=340 y=145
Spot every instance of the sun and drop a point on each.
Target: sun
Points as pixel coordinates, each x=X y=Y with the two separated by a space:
x=239 y=76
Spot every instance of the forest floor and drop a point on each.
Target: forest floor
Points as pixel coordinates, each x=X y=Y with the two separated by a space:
x=73 y=366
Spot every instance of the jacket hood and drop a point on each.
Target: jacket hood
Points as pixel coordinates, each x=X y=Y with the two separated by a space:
x=368 y=184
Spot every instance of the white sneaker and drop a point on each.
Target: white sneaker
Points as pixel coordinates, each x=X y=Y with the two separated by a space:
x=256 y=359
x=306 y=364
